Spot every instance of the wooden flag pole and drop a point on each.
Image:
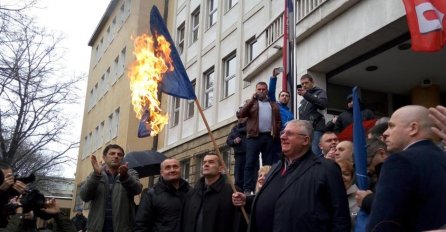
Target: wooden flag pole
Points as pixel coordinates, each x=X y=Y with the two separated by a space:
x=220 y=157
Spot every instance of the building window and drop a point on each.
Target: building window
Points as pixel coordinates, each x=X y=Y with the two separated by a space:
x=212 y=13
x=185 y=169
x=198 y=166
x=226 y=155
x=180 y=38
x=190 y=105
x=230 y=4
x=209 y=88
x=252 y=49
x=229 y=75
x=195 y=24
x=121 y=64
x=176 y=111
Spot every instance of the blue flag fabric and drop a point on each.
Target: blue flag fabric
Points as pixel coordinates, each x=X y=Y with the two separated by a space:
x=143 y=130
x=360 y=153
x=176 y=82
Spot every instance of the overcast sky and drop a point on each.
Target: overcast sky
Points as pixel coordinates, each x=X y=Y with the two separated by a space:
x=76 y=19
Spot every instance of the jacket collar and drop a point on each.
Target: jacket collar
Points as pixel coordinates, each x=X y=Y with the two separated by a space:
x=217 y=186
x=162 y=185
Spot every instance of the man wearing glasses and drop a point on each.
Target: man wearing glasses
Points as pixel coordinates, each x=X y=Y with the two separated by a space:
x=302 y=192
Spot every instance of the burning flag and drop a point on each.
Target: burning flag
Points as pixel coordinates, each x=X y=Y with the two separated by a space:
x=157 y=66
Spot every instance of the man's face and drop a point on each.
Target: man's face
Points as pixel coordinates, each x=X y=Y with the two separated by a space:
x=328 y=141
x=396 y=136
x=306 y=83
x=113 y=158
x=284 y=97
x=350 y=104
x=170 y=170
x=344 y=151
x=261 y=91
x=211 y=166
x=293 y=139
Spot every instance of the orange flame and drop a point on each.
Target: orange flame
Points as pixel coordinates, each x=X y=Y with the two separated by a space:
x=145 y=73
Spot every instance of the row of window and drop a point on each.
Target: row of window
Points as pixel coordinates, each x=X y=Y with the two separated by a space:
x=107 y=80
x=102 y=134
x=229 y=85
x=112 y=30
x=212 y=10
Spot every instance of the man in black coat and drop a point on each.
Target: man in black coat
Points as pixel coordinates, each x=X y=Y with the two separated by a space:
x=302 y=192
x=410 y=192
x=313 y=103
x=208 y=207
x=161 y=206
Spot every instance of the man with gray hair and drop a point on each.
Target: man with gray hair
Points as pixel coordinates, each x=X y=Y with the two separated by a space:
x=410 y=191
x=302 y=192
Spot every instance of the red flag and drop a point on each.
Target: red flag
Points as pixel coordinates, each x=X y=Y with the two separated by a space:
x=288 y=43
x=427 y=24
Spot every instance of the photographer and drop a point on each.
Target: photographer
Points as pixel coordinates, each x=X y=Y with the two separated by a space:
x=25 y=220
x=9 y=187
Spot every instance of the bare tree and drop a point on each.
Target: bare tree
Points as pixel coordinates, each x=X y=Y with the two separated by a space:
x=33 y=94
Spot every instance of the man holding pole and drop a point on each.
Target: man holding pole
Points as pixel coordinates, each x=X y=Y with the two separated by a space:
x=208 y=207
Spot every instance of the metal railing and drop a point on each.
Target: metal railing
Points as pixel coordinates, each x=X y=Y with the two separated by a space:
x=302 y=8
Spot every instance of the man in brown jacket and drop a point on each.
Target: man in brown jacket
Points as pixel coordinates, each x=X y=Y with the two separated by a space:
x=262 y=126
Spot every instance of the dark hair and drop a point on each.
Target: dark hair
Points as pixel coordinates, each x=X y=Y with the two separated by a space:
x=262 y=83
x=307 y=76
x=373 y=145
x=284 y=91
x=4 y=165
x=112 y=146
x=378 y=130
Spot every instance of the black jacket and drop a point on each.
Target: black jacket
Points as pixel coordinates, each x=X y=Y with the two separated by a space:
x=346 y=118
x=312 y=199
x=314 y=99
x=219 y=214
x=160 y=207
x=410 y=192
x=239 y=130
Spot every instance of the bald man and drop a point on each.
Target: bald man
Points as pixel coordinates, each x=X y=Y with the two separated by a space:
x=412 y=185
x=344 y=151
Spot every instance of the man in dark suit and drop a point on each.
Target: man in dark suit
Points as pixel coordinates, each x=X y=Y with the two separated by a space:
x=302 y=192
x=410 y=192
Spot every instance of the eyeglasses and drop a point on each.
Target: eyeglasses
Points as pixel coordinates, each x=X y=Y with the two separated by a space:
x=290 y=134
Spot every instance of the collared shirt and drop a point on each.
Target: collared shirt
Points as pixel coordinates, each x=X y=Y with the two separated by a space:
x=265 y=116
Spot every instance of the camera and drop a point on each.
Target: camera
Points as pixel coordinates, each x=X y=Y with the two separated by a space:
x=30 y=200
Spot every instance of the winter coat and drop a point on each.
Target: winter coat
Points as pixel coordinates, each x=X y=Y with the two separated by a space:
x=219 y=214
x=61 y=223
x=313 y=198
x=315 y=99
x=239 y=130
x=160 y=208
x=251 y=111
x=95 y=190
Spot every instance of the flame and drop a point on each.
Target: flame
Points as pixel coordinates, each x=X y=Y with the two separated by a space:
x=152 y=61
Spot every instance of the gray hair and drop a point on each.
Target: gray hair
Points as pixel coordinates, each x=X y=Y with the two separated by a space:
x=305 y=125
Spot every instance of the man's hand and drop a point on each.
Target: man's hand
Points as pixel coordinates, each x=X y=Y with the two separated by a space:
x=360 y=195
x=275 y=72
x=96 y=167
x=19 y=186
x=255 y=96
x=438 y=114
x=301 y=91
x=122 y=170
x=238 y=199
x=237 y=140
x=7 y=182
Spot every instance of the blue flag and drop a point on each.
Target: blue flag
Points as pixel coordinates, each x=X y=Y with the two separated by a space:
x=143 y=127
x=360 y=153
x=176 y=82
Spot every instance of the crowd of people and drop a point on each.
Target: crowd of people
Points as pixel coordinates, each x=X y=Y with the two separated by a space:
x=290 y=175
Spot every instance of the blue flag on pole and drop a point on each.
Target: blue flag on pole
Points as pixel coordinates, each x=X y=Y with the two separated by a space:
x=176 y=82
x=360 y=153
x=143 y=128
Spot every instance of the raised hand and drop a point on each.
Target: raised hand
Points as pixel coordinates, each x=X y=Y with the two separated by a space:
x=96 y=167
x=122 y=170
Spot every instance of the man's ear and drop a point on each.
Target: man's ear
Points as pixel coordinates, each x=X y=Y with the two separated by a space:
x=414 y=128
